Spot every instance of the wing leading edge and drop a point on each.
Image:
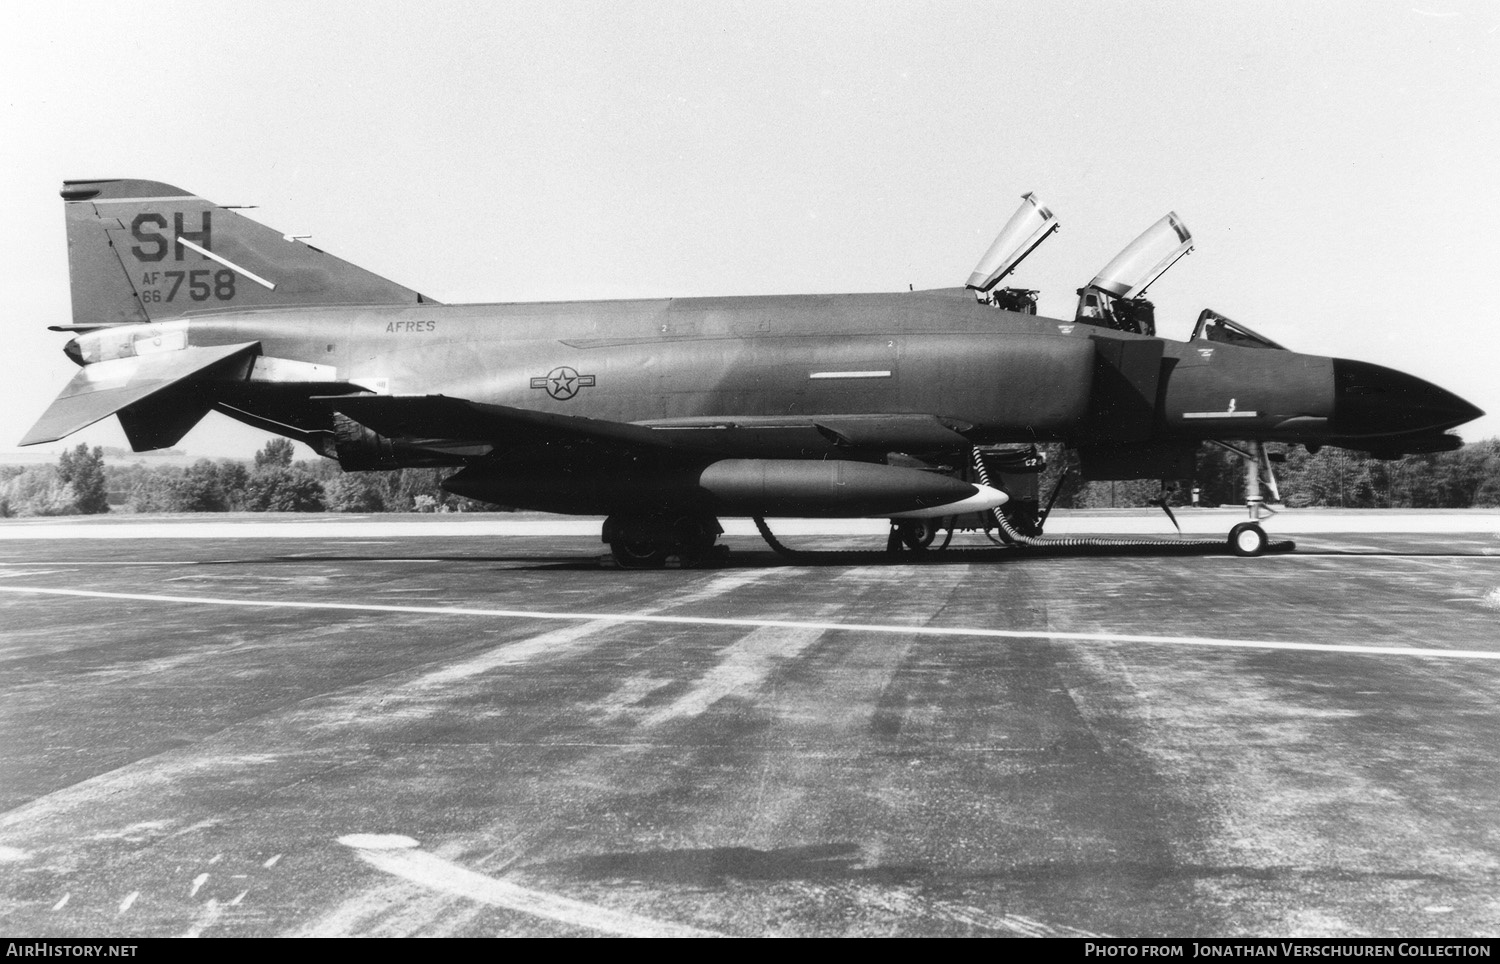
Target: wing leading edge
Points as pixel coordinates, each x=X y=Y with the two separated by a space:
x=457 y=420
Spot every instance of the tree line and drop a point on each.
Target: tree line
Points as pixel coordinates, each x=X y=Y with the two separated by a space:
x=1330 y=477
x=82 y=484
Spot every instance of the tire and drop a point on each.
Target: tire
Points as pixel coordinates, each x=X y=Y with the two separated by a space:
x=1247 y=539
x=693 y=540
x=638 y=555
x=917 y=534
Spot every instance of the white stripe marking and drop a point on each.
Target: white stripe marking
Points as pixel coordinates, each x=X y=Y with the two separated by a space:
x=62 y=903
x=746 y=665
x=206 y=918
x=227 y=263
x=959 y=631
x=198 y=882
x=872 y=374
x=129 y=899
x=139 y=200
x=438 y=874
x=1220 y=414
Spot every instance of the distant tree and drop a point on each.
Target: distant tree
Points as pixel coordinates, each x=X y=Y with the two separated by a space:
x=288 y=489
x=355 y=492
x=415 y=490
x=326 y=470
x=38 y=490
x=276 y=454
x=201 y=489
x=82 y=471
x=155 y=490
x=234 y=477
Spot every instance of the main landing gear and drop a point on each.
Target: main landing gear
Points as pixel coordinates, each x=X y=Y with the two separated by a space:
x=653 y=541
x=915 y=534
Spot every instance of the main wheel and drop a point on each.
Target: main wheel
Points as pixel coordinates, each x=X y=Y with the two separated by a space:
x=693 y=540
x=1247 y=539
x=917 y=533
x=632 y=554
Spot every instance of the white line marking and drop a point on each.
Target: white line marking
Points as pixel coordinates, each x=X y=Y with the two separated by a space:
x=1220 y=414
x=378 y=841
x=129 y=899
x=959 y=631
x=438 y=874
x=880 y=374
x=140 y=200
x=92 y=563
x=272 y=862
x=198 y=882
x=62 y=903
x=743 y=667
x=205 y=919
x=237 y=898
x=227 y=263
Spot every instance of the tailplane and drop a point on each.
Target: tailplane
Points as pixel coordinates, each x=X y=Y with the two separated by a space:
x=142 y=251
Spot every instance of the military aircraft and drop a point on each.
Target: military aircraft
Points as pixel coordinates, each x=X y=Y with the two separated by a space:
x=665 y=415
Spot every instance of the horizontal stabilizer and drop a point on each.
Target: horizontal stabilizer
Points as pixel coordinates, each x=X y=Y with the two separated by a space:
x=104 y=388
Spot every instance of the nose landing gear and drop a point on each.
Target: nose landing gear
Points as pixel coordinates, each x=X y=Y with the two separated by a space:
x=1249 y=538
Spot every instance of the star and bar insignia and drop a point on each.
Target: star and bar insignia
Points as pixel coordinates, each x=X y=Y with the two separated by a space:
x=563 y=382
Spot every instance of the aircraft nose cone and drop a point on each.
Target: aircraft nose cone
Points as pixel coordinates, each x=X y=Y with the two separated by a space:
x=1372 y=400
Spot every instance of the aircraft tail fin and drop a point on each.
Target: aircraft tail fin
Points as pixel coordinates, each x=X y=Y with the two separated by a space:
x=143 y=251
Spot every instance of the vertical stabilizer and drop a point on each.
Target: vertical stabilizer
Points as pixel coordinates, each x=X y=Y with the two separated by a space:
x=144 y=251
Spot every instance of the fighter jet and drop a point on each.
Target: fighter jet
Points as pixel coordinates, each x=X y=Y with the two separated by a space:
x=665 y=415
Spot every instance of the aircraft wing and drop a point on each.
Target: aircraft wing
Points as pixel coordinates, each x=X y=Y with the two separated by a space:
x=434 y=417
x=458 y=419
x=103 y=388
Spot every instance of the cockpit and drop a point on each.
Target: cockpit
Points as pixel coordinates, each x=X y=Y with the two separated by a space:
x=1116 y=298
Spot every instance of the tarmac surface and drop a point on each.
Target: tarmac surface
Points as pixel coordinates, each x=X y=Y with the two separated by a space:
x=420 y=727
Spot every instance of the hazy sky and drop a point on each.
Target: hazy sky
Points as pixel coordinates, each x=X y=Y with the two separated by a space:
x=1336 y=162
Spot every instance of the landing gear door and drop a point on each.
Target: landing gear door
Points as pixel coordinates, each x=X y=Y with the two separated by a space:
x=1122 y=407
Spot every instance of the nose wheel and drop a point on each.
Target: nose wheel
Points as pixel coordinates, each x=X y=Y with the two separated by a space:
x=1248 y=539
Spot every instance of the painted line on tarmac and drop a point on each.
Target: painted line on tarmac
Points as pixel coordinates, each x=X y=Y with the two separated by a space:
x=955 y=631
x=397 y=857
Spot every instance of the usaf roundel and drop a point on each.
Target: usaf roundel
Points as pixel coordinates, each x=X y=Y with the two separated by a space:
x=563 y=382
